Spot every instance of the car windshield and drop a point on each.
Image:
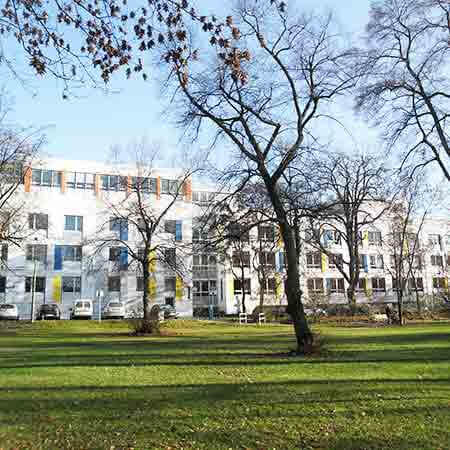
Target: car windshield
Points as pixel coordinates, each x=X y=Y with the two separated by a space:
x=79 y=304
x=87 y=304
x=6 y=306
x=115 y=305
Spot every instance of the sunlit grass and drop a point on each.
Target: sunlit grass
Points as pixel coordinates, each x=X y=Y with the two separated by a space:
x=215 y=385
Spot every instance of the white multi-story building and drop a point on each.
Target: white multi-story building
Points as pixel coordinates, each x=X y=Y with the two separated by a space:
x=65 y=203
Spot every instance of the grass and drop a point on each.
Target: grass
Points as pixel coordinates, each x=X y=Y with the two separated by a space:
x=213 y=385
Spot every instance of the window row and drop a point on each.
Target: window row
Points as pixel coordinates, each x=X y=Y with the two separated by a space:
x=37 y=284
x=269 y=286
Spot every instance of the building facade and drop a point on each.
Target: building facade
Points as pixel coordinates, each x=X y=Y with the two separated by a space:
x=66 y=204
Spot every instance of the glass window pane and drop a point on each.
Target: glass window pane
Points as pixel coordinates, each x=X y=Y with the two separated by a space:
x=71 y=179
x=89 y=181
x=56 y=178
x=77 y=284
x=67 y=284
x=113 y=182
x=36 y=176
x=47 y=177
x=80 y=179
x=70 y=223
x=105 y=182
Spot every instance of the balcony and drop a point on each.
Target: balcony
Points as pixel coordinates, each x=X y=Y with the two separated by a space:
x=204 y=272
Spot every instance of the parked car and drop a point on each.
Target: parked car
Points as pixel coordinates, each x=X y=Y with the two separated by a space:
x=163 y=311
x=114 y=310
x=9 y=312
x=49 y=311
x=82 y=309
x=169 y=311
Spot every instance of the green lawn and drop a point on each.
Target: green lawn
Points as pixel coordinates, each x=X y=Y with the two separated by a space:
x=84 y=385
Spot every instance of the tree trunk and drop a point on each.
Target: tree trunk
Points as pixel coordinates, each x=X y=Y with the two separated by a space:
x=295 y=309
x=351 y=299
x=261 y=296
x=419 y=309
x=145 y=299
x=400 y=305
x=244 y=310
x=303 y=334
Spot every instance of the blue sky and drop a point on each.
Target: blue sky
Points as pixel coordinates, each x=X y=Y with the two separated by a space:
x=86 y=127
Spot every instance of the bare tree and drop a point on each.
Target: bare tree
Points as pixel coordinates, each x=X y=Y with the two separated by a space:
x=356 y=193
x=407 y=90
x=266 y=119
x=407 y=218
x=19 y=148
x=154 y=238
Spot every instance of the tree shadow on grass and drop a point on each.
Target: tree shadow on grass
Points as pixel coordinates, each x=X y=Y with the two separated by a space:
x=111 y=356
x=245 y=412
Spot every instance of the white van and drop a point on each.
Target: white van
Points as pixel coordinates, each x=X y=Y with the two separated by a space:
x=82 y=309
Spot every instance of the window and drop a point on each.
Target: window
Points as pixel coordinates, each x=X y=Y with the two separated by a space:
x=169 y=186
x=241 y=259
x=237 y=232
x=378 y=284
x=415 y=283
x=267 y=259
x=146 y=185
x=73 y=253
x=170 y=284
x=112 y=183
x=4 y=256
x=439 y=283
x=314 y=284
x=376 y=261
x=140 y=284
x=199 y=235
x=117 y=224
x=41 y=177
x=238 y=286
x=202 y=197
x=114 y=253
x=437 y=260
x=335 y=260
x=335 y=285
x=73 y=223
x=395 y=284
x=434 y=239
x=170 y=226
x=313 y=259
x=375 y=238
x=38 y=221
x=204 y=288
x=362 y=259
x=114 y=284
x=361 y=286
x=71 y=284
x=266 y=233
x=205 y=260
x=80 y=180
x=269 y=285
x=2 y=285
x=36 y=252
x=40 y=284
x=170 y=257
x=331 y=237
